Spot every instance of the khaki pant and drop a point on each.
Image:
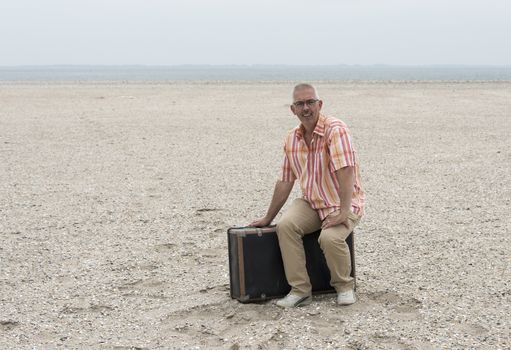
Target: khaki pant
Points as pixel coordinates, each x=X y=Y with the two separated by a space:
x=300 y=220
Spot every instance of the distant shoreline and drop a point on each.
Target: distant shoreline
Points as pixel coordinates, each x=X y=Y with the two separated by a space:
x=256 y=73
x=243 y=82
x=258 y=66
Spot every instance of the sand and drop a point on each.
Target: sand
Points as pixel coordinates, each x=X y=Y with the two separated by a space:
x=115 y=199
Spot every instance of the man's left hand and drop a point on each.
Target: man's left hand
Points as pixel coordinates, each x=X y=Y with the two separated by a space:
x=335 y=218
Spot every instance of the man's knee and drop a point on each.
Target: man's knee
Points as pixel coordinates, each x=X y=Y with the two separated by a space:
x=331 y=238
x=286 y=227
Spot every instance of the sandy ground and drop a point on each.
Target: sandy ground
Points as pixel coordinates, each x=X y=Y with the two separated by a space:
x=115 y=200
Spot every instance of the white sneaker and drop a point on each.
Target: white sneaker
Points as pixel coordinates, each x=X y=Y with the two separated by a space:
x=346 y=297
x=293 y=300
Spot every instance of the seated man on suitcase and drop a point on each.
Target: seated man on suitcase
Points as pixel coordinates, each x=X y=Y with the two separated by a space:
x=319 y=153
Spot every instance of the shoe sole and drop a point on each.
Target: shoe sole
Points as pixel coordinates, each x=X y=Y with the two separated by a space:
x=298 y=304
x=305 y=302
x=347 y=303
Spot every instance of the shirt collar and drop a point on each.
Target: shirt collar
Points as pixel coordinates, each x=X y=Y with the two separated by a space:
x=319 y=129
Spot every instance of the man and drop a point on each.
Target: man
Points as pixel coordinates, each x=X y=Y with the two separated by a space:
x=319 y=154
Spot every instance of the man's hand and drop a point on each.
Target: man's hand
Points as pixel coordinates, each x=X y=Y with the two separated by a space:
x=261 y=222
x=280 y=194
x=335 y=218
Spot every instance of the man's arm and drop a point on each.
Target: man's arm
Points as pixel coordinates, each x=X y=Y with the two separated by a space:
x=346 y=178
x=280 y=195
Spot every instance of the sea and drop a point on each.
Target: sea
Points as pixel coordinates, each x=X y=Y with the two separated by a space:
x=256 y=73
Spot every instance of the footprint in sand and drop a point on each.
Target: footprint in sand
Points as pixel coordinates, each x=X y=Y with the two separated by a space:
x=406 y=308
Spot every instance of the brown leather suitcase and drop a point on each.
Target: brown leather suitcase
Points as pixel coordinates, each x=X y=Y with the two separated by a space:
x=256 y=269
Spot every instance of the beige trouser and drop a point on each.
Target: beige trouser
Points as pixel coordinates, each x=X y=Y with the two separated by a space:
x=300 y=220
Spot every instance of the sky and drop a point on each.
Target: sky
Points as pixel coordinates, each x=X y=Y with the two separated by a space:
x=223 y=32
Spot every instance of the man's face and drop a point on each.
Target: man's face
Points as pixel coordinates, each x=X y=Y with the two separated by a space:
x=306 y=106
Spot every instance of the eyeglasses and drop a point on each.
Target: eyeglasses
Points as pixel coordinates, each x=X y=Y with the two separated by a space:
x=300 y=104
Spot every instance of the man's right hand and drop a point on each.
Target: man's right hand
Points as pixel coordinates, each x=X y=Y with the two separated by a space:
x=280 y=194
x=261 y=222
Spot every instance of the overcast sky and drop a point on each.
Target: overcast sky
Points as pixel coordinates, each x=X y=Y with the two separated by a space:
x=169 y=32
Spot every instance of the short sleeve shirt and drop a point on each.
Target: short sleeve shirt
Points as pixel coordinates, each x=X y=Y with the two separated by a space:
x=314 y=166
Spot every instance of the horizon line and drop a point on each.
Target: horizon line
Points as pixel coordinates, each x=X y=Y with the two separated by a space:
x=258 y=65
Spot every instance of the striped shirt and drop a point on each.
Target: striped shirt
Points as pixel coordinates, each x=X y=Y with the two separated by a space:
x=331 y=148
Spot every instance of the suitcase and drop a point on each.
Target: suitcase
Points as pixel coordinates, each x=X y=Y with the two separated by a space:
x=256 y=269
